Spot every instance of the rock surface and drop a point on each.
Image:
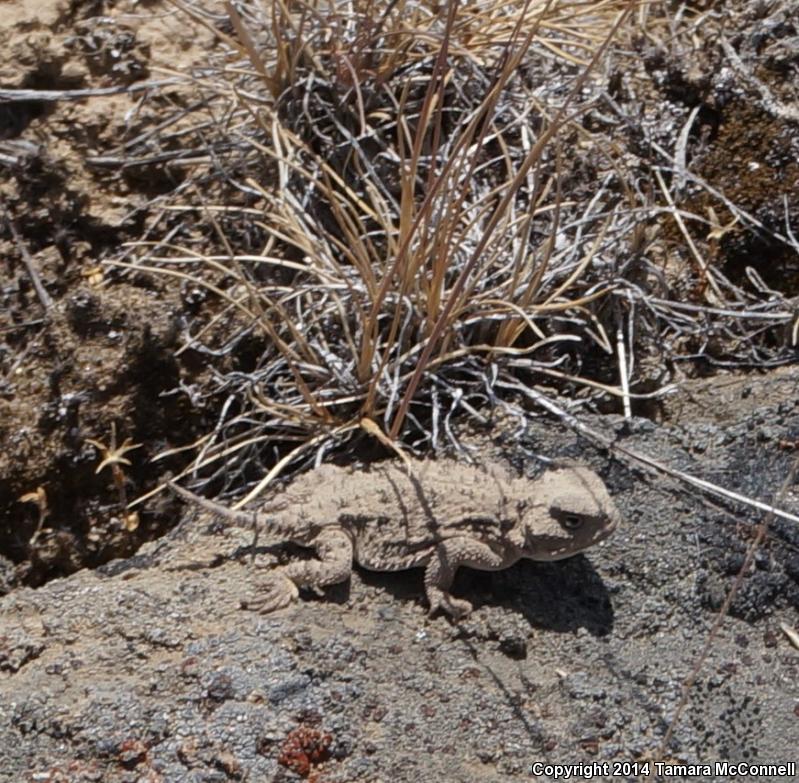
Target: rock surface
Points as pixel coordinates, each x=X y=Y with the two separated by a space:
x=146 y=669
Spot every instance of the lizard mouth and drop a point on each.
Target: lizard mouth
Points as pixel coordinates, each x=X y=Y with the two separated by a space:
x=555 y=548
x=614 y=521
x=600 y=534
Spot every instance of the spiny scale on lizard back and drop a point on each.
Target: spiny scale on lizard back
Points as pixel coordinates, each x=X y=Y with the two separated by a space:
x=427 y=496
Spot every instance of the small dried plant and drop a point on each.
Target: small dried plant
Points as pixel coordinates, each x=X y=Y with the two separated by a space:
x=113 y=457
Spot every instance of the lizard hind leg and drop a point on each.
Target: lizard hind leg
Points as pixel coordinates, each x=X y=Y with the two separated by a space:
x=272 y=593
x=333 y=564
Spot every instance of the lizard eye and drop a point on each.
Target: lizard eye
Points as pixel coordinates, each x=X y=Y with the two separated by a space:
x=572 y=522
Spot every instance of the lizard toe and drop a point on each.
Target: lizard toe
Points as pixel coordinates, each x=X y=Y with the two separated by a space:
x=456 y=608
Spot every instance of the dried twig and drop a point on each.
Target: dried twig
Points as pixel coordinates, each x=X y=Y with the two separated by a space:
x=79 y=95
x=41 y=292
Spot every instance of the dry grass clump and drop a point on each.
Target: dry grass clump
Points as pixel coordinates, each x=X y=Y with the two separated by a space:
x=438 y=212
x=419 y=248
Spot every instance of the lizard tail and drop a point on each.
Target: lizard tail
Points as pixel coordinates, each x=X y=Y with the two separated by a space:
x=247 y=519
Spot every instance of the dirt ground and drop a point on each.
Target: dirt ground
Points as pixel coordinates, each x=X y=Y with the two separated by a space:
x=123 y=657
x=105 y=358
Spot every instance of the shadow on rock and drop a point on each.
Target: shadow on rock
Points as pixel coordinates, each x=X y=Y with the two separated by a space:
x=561 y=596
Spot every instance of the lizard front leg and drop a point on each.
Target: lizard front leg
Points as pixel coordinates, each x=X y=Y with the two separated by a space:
x=333 y=565
x=450 y=554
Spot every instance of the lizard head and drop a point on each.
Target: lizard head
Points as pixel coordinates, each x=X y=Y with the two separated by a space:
x=571 y=511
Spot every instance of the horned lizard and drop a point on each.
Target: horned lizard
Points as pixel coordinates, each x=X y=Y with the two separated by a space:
x=439 y=514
